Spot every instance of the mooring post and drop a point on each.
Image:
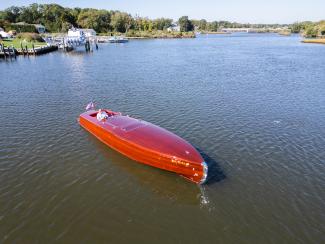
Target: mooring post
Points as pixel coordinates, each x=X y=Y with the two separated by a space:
x=9 y=52
x=22 y=48
x=14 y=50
x=86 y=46
x=4 y=52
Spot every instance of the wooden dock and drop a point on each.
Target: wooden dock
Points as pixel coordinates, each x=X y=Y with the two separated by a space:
x=10 y=52
x=37 y=50
x=7 y=52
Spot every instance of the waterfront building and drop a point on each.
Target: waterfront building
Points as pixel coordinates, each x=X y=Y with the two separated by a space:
x=21 y=27
x=4 y=34
x=174 y=27
x=89 y=32
x=40 y=28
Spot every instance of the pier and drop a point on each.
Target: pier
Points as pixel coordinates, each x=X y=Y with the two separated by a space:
x=11 y=52
x=7 y=52
x=37 y=50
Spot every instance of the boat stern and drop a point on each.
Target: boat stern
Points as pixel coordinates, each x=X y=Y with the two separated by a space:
x=198 y=172
x=205 y=173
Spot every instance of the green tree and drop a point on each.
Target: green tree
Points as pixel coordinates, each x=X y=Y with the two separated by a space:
x=11 y=14
x=214 y=26
x=162 y=23
x=30 y=14
x=185 y=24
x=202 y=24
x=53 y=17
x=321 y=27
x=121 y=22
x=99 y=20
x=2 y=20
x=296 y=27
x=311 y=31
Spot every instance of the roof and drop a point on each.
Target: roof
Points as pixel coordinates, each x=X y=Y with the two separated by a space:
x=39 y=25
x=88 y=30
x=24 y=23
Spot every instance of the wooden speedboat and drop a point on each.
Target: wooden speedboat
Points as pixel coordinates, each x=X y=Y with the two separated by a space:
x=147 y=143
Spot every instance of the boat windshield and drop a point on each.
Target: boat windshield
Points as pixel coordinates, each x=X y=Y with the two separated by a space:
x=109 y=113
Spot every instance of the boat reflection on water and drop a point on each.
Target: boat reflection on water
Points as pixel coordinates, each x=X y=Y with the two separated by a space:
x=215 y=173
x=162 y=183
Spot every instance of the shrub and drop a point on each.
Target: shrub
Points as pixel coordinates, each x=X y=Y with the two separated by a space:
x=22 y=27
x=30 y=37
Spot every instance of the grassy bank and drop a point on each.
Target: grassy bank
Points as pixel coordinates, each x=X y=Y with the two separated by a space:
x=16 y=43
x=317 y=41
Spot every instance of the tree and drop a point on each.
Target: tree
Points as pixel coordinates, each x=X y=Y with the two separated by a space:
x=185 y=24
x=11 y=14
x=202 y=24
x=30 y=14
x=214 y=26
x=311 y=31
x=53 y=15
x=162 y=23
x=99 y=20
x=296 y=27
x=121 y=22
x=321 y=27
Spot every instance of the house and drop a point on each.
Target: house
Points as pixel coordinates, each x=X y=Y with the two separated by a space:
x=40 y=28
x=89 y=32
x=1 y=29
x=25 y=27
x=4 y=34
x=174 y=27
x=76 y=33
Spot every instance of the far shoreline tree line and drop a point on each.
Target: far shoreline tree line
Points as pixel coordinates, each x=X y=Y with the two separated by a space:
x=56 y=18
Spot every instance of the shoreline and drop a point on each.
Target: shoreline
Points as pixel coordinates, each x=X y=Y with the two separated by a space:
x=137 y=35
x=216 y=33
x=156 y=37
x=151 y=34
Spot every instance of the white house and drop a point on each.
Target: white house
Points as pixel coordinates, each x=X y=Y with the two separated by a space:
x=89 y=32
x=174 y=27
x=76 y=36
x=74 y=32
x=4 y=34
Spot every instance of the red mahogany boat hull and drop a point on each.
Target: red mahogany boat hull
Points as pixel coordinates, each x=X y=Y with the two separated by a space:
x=147 y=143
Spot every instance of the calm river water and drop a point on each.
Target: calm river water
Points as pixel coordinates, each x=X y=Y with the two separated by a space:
x=254 y=105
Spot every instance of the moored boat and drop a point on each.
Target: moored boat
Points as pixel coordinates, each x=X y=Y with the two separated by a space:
x=146 y=143
x=118 y=39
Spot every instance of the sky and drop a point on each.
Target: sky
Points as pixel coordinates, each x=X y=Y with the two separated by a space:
x=243 y=11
